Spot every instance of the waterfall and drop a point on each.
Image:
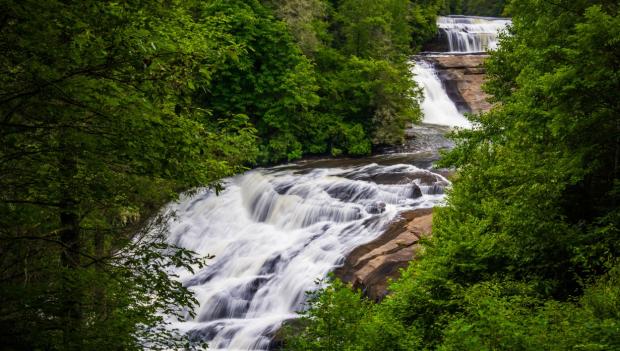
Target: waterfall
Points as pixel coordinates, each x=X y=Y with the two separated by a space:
x=274 y=232
x=471 y=34
x=436 y=106
x=463 y=35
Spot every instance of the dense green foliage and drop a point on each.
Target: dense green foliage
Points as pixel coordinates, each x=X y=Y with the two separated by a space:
x=317 y=76
x=98 y=130
x=358 y=90
x=272 y=82
x=491 y=8
x=525 y=256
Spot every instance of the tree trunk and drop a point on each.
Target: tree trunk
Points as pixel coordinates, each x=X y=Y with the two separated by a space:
x=71 y=293
x=99 y=291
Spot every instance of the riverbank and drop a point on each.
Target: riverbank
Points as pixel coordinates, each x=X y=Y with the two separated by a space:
x=371 y=266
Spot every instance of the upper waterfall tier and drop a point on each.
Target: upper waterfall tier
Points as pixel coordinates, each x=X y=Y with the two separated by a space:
x=436 y=105
x=466 y=34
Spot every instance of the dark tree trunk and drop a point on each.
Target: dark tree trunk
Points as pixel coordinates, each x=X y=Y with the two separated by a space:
x=99 y=291
x=71 y=294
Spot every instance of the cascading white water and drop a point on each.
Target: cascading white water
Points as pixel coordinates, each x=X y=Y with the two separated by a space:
x=471 y=34
x=436 y=105
x=275 y=231
x=464 y=34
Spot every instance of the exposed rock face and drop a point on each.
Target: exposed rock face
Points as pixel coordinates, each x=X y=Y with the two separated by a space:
x=462 y=76
x=370 y=266
x=438 y=44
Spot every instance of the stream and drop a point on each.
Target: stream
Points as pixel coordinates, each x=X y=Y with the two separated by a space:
x=276 y=231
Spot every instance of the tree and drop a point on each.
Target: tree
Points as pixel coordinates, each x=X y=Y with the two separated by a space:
x=98 y=131
x=272 y=83
x=305 y=19
x=423 y=21
x=339 y=318
x=375 y=95
x=491 y=8
x=352 y=88
x=365 y=82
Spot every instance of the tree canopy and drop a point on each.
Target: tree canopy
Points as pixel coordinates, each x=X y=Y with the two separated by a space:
x=492 y=8
x=359 y=54
x=98 y=131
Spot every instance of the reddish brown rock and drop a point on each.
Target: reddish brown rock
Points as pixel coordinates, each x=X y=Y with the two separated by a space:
x=459 y=61
x=463 y=76
x=370 y=266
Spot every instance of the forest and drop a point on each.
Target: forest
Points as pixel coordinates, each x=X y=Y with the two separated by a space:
x=493 y=8
x=111 y=110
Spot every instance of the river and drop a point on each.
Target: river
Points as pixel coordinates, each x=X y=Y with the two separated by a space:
x=275 y=231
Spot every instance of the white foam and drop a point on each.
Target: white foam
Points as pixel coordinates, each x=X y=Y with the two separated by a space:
x=274 y=232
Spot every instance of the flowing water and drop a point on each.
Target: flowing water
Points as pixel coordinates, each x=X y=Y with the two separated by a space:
x=436 y=106
x=276 y=231
x=467 y=34
x=464 y=35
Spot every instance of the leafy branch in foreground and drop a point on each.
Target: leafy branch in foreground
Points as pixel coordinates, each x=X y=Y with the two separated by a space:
x=99 y=130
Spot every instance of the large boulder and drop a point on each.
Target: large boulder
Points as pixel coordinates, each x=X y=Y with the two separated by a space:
x=370 y=267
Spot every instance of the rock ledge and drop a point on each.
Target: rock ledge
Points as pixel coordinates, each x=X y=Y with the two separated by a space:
x=370 y=266
x=462 y=77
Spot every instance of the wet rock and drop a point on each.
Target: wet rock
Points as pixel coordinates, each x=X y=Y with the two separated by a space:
x=370 y=266
x=207 y=332
x=376 y=208
x=283 y=188
x=422 y=176
x=391 y=178
x=425 y=177
x=462 y=77
x=447 y=173
x=348 y=192
x=436 y=189
x=416 y=192
x=467 y=61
